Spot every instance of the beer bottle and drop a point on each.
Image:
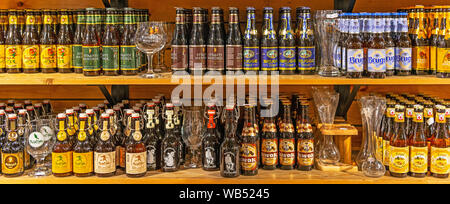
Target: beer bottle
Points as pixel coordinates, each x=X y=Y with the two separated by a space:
x=22 y=126
x=399 y=148
x=30 y=57
x=251 y=43
x=341 y=50
x=110 y=46
x=440 y=146
x=286 y=42
x=127 y=47
x=205 y=22
x=429 y=115
x=62 y=150
x=136 y=152
x=389 y=44
x=21 y=21
x=420 y=45
x=3 y=21
x=48 y=42
x=152 y=141
x=436 y=16
x=91 y=134
x=180 y=43
x=12 y=150
x=170 y=144
x=83 y=156
x=197 y=44
x=216 y=44
x=306 y=49
x=403 y=49
x=409 y=117
x=105 y=151
x=177 y=121
x=305 y=140
x=55 y=21
x=210 y=143
x=269 y=43
x=17 y=107
x=71 y=130
x=412 y=13
x=269 y=143
x=355 y=51
x=91 y=45
x=418 y=143
x=65 y=41
x=249 y=144
x=443 y=50
x=376 y=52
x=388 y=131
x=13 y=45
x=77 y=47
x=234 y=42
x=229 y=150
x=287 y=139
x=189 y=22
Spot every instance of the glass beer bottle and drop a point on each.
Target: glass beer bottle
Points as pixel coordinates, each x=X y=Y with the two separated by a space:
x=30 y=44
x=197 y=44
x=286 y=42
x=389 y=44
x=420 y=45
x=305 y=140
x=443 y=50
x=234 y=42
x=48 y=42
x=403 y=48
x=251 y=53
x=210 y=143
x=13 y=45
x=62 y=150
x=355 y=50
x=249 y=144
x=91 y=46
x=269 y=43
x=418 y=144
x=83 y=155
x=376 y=52
x=152 y=141
x=105 y=151
x=64 y=47
x=110 y=44
x=3 y=16
x=440 y=146
x=306 y=50
x=170 y=144
x=287 y=139
x=12 y=150
x=399 y=147
x=229 y=150
x=269 y=143
x=215 y=44
x=179 y=43
x=77 y=47
x=136 y=152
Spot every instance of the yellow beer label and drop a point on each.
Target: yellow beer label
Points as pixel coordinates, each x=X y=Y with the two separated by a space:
x=61 y=162
x=433 y=58
x=83 y=162
x=48 y=56
x=440 y=118
x=428 y=112
x=82 y=136
x=249 y=155
x=269 y=151
x=287 y=152
x=421 y=58
x=305 y=152
x=399 y=159
x=440 y=160
x=419 y=160
x=13 y=56
x=30 y=56
x=64 y=56
x=390 y=112
x=62 y=135
x=104 y=136
x=105 y=162
x=12 y=19
x=443 y=60
x=31 y=20
x=136 y=163
x=2 y=57
x=12 y=163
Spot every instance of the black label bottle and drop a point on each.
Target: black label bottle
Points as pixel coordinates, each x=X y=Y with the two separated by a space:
x=229 y=150
x=306 y=49
x=152 y=140
x=197 y=44
x=216 y=43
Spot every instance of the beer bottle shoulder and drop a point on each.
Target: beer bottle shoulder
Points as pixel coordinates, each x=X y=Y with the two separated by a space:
x=377 y=42
x=48 y=38
x=404 y=41
x=31 y=38
x=82 y=146
x=354 y=42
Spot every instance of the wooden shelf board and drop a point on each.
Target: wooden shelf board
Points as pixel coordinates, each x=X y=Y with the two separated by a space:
x=79 y=79
x=198 y=176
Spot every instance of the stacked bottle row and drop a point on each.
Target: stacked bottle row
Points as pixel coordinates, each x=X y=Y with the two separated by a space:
x=198 y=46
x=90 y=41
x=414 y=136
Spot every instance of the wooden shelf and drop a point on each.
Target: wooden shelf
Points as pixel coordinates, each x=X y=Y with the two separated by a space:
x=198 y=176
x=78 y=79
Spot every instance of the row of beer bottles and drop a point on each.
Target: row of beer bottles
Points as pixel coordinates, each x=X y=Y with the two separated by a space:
x=209 y=47
x=39 y=110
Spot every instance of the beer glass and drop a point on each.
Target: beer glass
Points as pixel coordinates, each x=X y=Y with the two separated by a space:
x=192 y=133
x=150 y=38
x=326 y=27
x=40 y=138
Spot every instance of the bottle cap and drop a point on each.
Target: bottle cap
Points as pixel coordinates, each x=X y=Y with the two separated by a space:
x=22 y=111
x=89 y=111
x=12 y=116
x=135 y=115
x=105 y=115
x=69 y=111
x=83 y=115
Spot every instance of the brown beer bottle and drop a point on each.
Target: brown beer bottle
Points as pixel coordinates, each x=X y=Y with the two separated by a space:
x=437 y=16
x=21 y=21
x=269 y=143
x=234 y=42
x=269 y=43
x=110 y=44
x=91 y=45
x=12 y=150
x=249 y=144
x=22 y=124
x=170 y=147
x=443 y=50
x=128 y=58
x=440 y=147
x=210 y=143
x=197 y=44
x=403 y=48
x=355 y=50
x=30 y=44
x=418 y=144
x=136 y=152
x=71 y=122
x=48 y=45
x=287 y=138
x=77 y=47
x=420 y=44
x=180 y=55
x=216 y=43
x=229 y=157
x=105 y=150
x=376 y=52
x=286 y=42
x=399 y=147
x=305 y=140
x=13 y=45
x=83 y=155
x=3 y=21
x=306 y=49
x=62 y=150
x=64 y=47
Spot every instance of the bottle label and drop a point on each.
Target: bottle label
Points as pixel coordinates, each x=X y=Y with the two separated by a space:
x=179 y=57
x=269 y=58
x=409 y=112
x=440 y=160
x=390 y=58
x=433 y=57
x=337 y=57
x=151 y=156
x=197 y=57
x=421 y=60
x=104 y=162
x=443 y=60
x=77 y=56
x=170 y=162
x=30 y=56
x=210 y=158
x=216 y=57
x=2 y=56
x=48 y=56
x=428 y=112
x=13 y=56
x=305 y=150
x=287 y=58
x=307 y=58
x=343 y=57
x=83 y=162
x=287 y=152
x=91 y=58
x=376 y=60
x=62 y=162
x=386 y=149
x=234 y=57
x=64 y=56
x=418 y=117
x=136 y=163
x=110 y=58
x=305 y=128
x=404 y=58
x=128 y=58
x=230 y=166
x=355 y=60
x=419 y=160
x=249 y=155
x=399 y=159
x=122 y=157
x=12 y=163
x=251 y=58
x=269 y=152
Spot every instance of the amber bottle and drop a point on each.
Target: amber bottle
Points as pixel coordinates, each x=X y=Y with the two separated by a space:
x=249 y=144
x=13 y=45
x=170 y=144
x=418 y=144
x=105 y=151
x=30 y=57
x=305 y=140
x=229 y=157
x=269 y=144
x=110 y=44
x=91 y=45
x=65 y=41
x=77 y=47
x=83 y=155
x=136 y=152
x=210 y=143
x=48 y=42
x=440 y=146
x=420 y=45
x=62 y=150
x=399 y=147
x=152 y=141
x=12 y=150
x=128 y=58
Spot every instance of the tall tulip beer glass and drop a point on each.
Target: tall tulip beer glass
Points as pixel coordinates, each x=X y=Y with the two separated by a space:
x=150 y=38
x=193 y=128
